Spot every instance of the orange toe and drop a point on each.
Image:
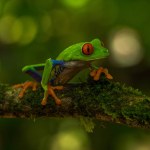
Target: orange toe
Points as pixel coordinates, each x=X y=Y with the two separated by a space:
x=93 y=73
x=96 y=77
x=58 y=102
x=17 y=86
x=21 y=94
x=109 y=76
x=98 y=74
x=34 y=86
x=44 y=102
x=57 y=87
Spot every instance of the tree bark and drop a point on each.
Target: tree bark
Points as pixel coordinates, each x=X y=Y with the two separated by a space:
x=103 y=100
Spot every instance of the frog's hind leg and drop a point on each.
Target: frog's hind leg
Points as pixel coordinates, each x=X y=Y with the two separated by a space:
x=25 y=86
x=33 y=72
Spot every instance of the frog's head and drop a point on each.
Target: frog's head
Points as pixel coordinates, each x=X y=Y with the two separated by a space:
x=85 y=51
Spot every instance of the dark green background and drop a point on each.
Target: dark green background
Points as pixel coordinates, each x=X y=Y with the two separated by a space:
x=32 y=31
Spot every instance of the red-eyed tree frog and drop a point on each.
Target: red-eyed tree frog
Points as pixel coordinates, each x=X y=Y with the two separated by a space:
x=61 y=70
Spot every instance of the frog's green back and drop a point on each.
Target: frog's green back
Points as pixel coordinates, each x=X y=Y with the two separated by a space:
x=70 y=52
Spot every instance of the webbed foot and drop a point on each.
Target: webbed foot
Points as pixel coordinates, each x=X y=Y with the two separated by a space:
x=25 y=86
x=51 y=92
x=97 y=73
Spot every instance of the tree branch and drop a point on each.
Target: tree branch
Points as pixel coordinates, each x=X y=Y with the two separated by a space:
x=103 y=100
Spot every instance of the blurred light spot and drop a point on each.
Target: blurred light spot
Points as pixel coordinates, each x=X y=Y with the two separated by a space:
x=75 y=3
x=66 y=141
x=143 y=147
x=126 y=47
x=16 y=31
x=138 y=145
x=69 y=141
x=6 y=24
x=29 y=30
x=13 y=30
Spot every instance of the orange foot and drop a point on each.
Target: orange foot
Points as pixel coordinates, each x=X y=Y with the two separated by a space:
x=25 y=86
x=97 y=73
x=51 y=92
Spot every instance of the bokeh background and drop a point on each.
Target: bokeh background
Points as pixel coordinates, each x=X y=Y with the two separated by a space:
x=32 y=31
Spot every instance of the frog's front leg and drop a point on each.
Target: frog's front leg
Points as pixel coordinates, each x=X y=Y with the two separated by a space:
x=48 y=89
x=96 y=73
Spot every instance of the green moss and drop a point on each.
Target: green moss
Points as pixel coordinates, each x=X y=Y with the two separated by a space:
x=108 y=99
x=139 y=111
x=111 y=99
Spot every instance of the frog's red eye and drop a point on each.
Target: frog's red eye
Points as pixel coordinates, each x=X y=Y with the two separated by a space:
x=87 y=49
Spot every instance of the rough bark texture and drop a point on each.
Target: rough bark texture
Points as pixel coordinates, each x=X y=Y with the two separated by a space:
x=103 y=100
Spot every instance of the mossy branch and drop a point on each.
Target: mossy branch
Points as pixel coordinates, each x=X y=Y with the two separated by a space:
x=103 y=100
